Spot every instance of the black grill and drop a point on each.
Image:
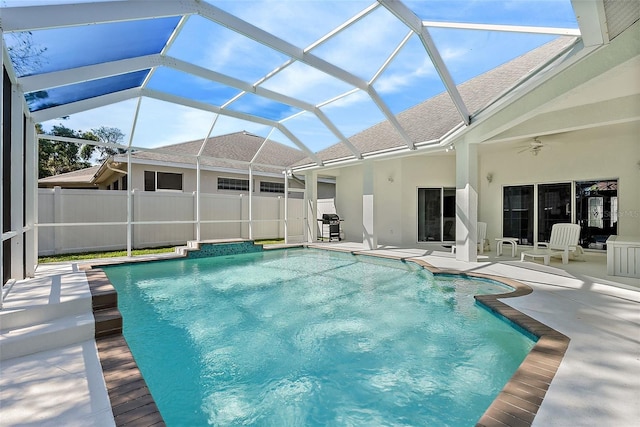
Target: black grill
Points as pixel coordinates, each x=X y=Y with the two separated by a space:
x=332 y=219
x=333 y=223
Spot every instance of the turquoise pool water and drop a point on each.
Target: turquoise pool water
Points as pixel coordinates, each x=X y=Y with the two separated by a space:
x=304 y=337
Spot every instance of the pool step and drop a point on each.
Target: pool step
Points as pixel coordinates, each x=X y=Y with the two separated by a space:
x=212 y=248
x=104 y=300
x=108 y=322
x=48 y=335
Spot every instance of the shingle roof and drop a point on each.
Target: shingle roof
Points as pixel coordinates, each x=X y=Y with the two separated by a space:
x=82 y=176
x=240 y=146
x=437 y=116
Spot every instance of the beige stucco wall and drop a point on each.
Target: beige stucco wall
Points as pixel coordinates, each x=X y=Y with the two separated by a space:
x=604 y=153
x=396 y=193
x=208 y=179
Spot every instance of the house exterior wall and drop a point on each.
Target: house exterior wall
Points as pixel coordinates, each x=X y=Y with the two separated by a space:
x=208 y=180
x=396 y=184
x=606 y=153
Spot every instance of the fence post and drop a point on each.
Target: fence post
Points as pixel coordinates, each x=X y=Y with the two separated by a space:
x=57 y=217
x=134 y=211
x=196 y=216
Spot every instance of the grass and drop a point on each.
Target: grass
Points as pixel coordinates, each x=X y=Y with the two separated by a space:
x=270 y=242
x=135 y=252
x=94 y=255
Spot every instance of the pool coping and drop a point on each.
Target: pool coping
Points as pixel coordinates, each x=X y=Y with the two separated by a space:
x=517 y=403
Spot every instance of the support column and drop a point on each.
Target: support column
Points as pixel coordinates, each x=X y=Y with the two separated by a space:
x=31 y=194
x=466 y=202
x=311 y=206
x=17 y=184
x=2 y=183
x=286 y=207
x=369 y=237
x=198 y=191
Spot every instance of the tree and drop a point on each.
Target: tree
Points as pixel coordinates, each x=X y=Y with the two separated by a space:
x=57 y=157
x=107 y=135
x=26 y=56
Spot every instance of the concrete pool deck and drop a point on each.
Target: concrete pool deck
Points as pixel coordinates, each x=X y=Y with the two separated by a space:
x=597 y=383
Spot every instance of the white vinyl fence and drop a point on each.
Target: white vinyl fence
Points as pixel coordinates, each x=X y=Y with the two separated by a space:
x=93 y=220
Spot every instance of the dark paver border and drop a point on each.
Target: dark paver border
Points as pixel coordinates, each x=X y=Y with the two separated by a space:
x=516 y=405
x=131 y=401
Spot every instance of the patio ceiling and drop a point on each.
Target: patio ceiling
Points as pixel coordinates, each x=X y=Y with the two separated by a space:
x=308 y=74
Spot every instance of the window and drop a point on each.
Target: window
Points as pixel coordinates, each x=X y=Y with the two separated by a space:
x=124 y=182
x=436 y=214
x=162 y=181
x=233 y=184
x=271 y=187
x=115 y=185
x=169 y=181
x=149 y=181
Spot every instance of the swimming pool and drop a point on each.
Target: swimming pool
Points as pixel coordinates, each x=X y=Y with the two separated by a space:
x=310 y=337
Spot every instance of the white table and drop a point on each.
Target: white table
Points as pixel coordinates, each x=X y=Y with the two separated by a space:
x=502 y=240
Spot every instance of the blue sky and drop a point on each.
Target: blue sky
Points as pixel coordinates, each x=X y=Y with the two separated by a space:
x=361 y=50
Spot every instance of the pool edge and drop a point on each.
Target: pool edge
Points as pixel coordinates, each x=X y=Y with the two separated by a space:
x=520 y=399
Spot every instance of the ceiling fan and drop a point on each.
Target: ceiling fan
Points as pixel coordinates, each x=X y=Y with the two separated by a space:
x=534 y=147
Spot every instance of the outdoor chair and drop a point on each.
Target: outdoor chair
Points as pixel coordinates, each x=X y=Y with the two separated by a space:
x=482 y=234
x=563 y=241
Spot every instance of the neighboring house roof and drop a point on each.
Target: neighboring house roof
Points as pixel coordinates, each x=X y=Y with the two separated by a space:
x=436 y=117
x=231 y=151
x=238 y=147
x=82 y=177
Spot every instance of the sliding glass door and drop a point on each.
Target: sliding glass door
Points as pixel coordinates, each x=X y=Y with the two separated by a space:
x=429 y=220
x=554 y=206
x=597 y=212
x=595 y=204
x=517 y=213
x=436 y=214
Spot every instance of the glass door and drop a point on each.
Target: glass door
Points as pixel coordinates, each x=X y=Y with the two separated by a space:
x=429 y=214
x=449 y=214
x=554 y=206
x=436 y=214
x=518 y=213
x=597 y=212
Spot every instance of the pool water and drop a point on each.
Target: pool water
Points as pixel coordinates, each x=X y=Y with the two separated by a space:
x=304 y=337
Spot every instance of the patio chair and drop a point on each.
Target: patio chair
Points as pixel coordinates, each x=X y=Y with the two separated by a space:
x=482 y=234
x=563 y=241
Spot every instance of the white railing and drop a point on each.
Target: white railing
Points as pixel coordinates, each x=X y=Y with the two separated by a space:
x=93 y=220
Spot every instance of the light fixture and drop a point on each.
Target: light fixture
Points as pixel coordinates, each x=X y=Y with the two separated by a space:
x=489 y=177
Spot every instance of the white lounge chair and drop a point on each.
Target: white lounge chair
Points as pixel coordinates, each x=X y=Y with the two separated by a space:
x=563 y=241
x=482 y=235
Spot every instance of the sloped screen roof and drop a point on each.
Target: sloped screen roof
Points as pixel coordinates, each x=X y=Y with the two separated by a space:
x=311 y=74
